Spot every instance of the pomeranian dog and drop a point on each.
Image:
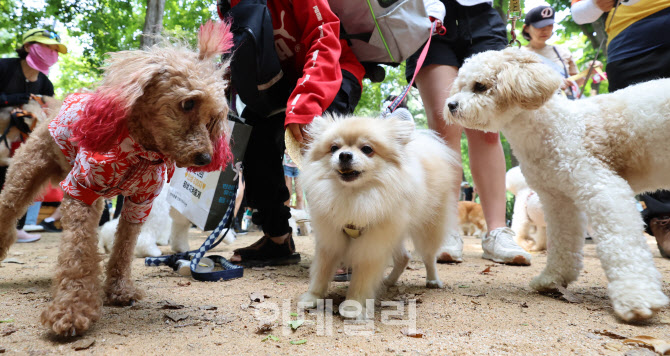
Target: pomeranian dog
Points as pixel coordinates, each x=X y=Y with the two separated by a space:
x=371 y=183
x=471 y=220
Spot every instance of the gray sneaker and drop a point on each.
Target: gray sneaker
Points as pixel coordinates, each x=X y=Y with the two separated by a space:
x=452 y=249
x=499 y=246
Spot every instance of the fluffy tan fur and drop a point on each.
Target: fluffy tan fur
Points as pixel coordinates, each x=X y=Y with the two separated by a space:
x=471 y=219
x=390 y=182
x=155 y=83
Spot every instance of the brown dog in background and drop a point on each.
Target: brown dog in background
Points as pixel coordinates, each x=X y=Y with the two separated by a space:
x=471 y=220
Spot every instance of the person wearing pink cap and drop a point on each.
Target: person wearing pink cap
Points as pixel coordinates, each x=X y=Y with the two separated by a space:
x=25 y=76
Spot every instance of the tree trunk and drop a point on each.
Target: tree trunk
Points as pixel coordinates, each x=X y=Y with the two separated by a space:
x=153 y=23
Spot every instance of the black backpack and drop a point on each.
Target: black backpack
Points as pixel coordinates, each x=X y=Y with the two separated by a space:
x=256 y=73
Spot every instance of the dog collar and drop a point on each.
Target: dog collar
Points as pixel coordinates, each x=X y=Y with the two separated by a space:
x=352 y=230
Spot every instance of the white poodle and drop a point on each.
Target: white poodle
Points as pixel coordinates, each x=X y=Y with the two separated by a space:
x=528 y=218
x=164 y=225
x=588 y=156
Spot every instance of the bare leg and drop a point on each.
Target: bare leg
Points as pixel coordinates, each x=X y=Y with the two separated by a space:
x=287 y=179
x=299 y=199
x=119 y=288
x=76 y=296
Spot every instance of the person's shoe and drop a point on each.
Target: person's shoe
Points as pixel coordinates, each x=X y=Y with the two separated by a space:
x=50 y=226
x=499 y=246
x=660 y=228
x=266 y=252
x=23 y=237
x=32 y=228
x=452 y=249
x=238 y=228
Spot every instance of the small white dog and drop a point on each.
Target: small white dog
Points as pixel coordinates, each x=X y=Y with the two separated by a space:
x=528 y=218
x=588 y=155
x=371 y=183
x=164 y=225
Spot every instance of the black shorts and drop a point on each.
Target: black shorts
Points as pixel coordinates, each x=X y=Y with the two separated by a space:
x=470 y=30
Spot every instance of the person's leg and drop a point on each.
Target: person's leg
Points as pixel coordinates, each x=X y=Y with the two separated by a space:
x=487 y=164
x=289 y=185
x=434 y=83
x=266 y=191
x=299 y=199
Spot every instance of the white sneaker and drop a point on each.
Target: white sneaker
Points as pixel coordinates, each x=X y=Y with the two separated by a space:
x=452 y=249
x=32 y=228
x=499 y=246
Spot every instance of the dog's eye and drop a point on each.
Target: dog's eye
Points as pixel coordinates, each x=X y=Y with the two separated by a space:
x=367 y=150
x=334 y=148
x=188 y=105
x=479 y=88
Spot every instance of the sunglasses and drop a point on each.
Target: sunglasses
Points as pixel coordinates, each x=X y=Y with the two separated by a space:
x=44 y=33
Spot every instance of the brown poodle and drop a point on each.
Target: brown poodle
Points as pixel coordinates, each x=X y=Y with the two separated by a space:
x=154 y=108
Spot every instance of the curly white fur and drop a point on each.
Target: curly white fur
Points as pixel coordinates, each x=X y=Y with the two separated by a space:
x=528 y=218
x=164 y=225
x=588 y=156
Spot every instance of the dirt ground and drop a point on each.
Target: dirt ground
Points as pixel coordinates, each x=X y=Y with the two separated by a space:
x=490 y=313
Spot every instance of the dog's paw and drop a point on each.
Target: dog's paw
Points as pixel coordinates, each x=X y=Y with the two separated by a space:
x=547 y=282
x=122 y=293
x=180 y=245
x=389 y=282
x=434 y=283
x=633 y=300
x=148 y=251
x=308 y=300
x=69 y=318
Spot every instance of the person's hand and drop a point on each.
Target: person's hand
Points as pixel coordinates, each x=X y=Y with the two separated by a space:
x=298 y=131
x=566 y=84
x=604 y=5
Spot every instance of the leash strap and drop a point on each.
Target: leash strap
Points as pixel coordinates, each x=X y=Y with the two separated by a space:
x=394 y=105
x=513 y=14
x=229 y=270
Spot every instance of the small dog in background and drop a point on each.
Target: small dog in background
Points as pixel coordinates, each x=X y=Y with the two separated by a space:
x=165 y=225
x=371 y=183
x=471 y=220
x=299 y=222
x=18 y=122
x=584 y=158
x=154 y=109
x=528 y=218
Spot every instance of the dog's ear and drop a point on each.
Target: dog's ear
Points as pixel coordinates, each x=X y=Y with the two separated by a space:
x=214 y=38
x=104 y=118
x=401 y=130
x=525 y=80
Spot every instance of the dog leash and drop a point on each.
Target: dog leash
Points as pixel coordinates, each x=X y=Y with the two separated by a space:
x=229 y=270
x=394 y=105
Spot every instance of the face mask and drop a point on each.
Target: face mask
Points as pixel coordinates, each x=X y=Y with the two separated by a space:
x=41 y=57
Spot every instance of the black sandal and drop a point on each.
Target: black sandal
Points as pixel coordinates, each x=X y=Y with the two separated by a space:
x=266 y=252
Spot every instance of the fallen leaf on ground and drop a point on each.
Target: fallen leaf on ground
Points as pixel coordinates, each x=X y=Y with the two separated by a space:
x=176 y=316
x=524 y=305
x=170 y=305
x=83 y=344
x=412 y=268
x=295 y=324
x=264 y=327
x=412 y=333
x=270 y=337
x=10 y=330
x=609 y=334
x=208 y=307
x=660 y=346
x=297 y=342
x=7 y=321
x=568 y=296
x=183 y=283
x=29 y=291
x=486 y=271
x=613 y=346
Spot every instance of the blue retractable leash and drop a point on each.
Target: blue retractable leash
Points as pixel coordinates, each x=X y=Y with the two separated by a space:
x=229 y=270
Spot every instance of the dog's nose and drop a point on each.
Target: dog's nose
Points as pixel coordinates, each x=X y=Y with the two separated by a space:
x=202 y=159
x=346 y=156
x=453 y=106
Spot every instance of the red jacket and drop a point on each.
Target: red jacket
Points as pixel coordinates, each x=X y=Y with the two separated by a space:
x=307 y=40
